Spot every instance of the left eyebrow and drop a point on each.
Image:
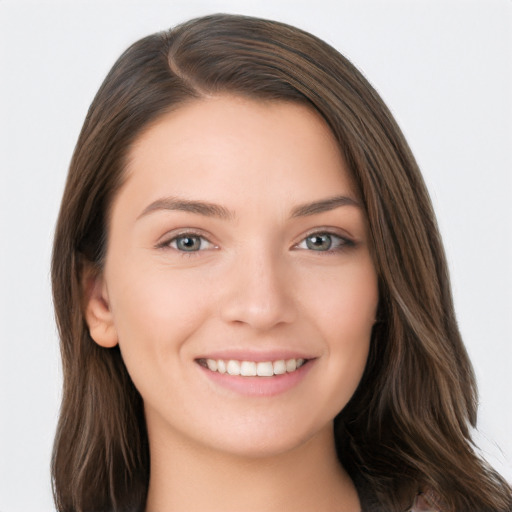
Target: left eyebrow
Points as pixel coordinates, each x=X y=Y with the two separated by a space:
x=324 y=205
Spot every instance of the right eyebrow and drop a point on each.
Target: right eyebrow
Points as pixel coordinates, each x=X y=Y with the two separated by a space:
x=187 y=205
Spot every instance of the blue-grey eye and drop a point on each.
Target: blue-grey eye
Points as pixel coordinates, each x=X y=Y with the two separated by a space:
x=325 y=242
x=319 y=242
x=187 y=243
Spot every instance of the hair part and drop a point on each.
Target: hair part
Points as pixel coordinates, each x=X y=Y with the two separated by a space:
x=407 y=427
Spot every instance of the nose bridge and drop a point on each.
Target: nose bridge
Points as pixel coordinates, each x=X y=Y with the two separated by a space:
x=258 y=290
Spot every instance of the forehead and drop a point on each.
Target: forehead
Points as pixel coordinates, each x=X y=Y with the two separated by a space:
x=236 y=148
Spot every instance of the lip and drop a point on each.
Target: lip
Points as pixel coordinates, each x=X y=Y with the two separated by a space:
x=258 y=386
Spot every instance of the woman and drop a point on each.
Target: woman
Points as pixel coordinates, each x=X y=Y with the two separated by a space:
x=251 y=292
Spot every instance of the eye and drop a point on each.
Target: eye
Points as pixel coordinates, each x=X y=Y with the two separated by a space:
x=324 y=242
x=189 y=242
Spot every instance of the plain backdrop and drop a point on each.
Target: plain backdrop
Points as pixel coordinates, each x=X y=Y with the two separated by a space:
x=443 y=67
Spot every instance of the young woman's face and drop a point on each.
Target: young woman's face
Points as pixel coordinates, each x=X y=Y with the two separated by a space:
x=238 y=244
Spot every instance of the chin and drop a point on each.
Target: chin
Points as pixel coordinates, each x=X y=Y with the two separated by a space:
x=266 y=441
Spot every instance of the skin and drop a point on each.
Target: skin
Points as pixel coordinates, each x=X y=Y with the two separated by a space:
x=254 y=285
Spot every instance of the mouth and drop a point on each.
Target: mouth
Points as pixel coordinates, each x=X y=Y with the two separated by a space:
x=267 y=369
x=255 y=375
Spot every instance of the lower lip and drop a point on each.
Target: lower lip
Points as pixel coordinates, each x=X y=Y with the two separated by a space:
x=259 y=386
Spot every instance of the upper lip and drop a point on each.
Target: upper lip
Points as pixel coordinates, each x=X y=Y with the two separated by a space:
x=257 y=356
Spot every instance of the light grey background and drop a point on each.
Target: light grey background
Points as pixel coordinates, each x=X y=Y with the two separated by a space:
x=443 y=67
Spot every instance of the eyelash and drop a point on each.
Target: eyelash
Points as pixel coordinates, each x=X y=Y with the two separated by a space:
x=343 y=244
x=166 y=244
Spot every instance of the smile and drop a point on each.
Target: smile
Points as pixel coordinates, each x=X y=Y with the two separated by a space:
x=252 y=368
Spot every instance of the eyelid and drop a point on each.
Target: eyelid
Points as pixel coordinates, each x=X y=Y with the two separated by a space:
x=165 y=241
x=347 y=240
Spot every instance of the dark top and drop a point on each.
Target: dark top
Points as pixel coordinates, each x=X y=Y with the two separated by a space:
x=367 y=499
x=424 y=502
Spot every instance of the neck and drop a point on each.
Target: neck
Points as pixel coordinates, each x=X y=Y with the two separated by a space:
x=192 y=478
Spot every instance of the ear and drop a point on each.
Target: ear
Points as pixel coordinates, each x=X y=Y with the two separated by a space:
x=98 y=314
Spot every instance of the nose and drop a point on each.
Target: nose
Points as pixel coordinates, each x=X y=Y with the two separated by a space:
x=258 y=292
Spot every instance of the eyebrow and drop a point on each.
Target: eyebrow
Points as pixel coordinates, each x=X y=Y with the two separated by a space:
x=323 y=205
x=214 y=210
x=187 y=205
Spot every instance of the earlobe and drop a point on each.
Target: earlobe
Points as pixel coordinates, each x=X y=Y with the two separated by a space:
x=98 y=314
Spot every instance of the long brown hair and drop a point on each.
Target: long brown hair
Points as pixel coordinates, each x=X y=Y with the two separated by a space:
x=407 y=428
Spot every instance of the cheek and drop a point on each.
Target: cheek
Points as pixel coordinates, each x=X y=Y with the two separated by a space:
x=344 y=315
x=352 y=317
x=345 y=303
x=155 y=309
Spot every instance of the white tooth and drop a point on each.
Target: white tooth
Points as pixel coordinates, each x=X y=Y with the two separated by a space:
x=221 y=366
x=265 y=369
x=300 y=362
x=233 y=367
x=279 y=367
x=291 y=365
x=212 y=364
x=248 y=369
